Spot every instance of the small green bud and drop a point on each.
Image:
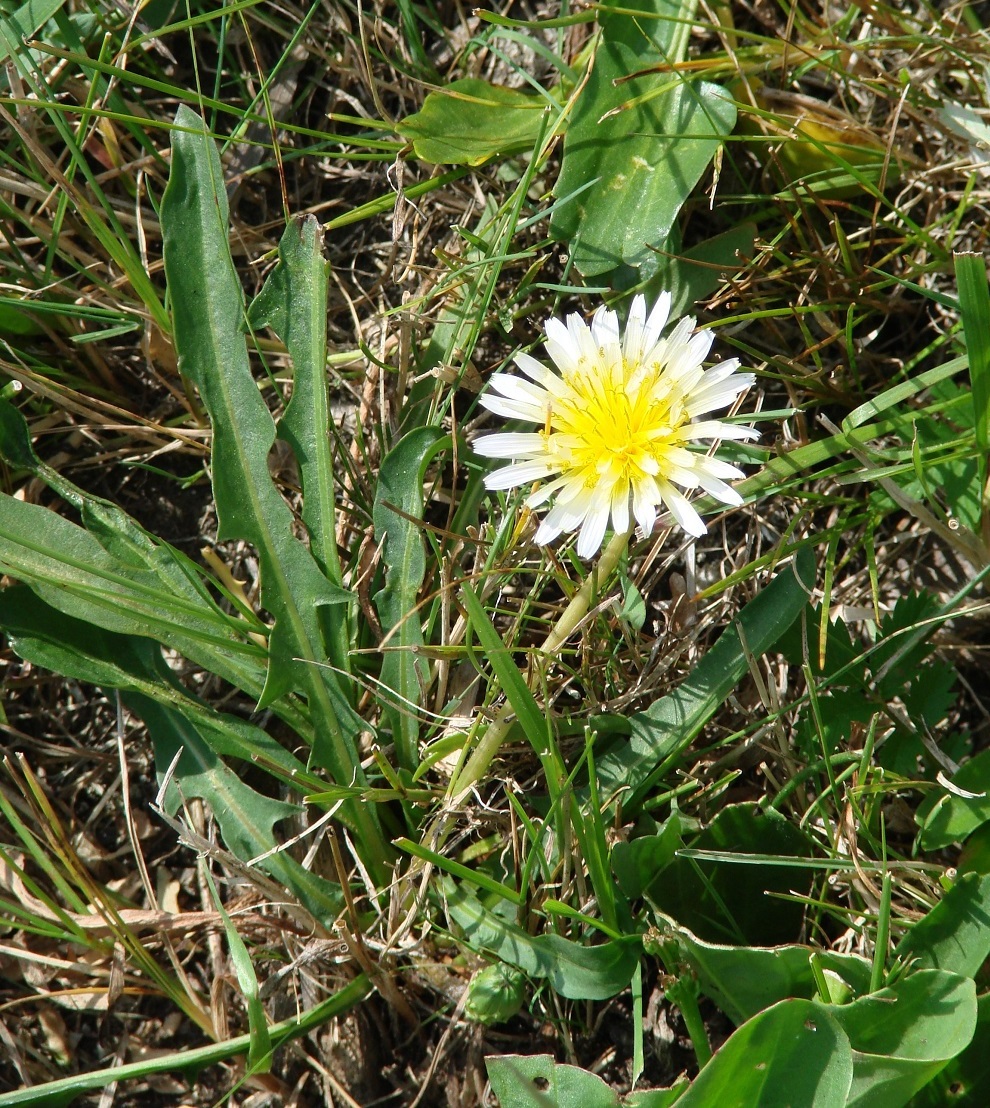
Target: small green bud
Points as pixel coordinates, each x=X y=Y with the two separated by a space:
x=495 y=994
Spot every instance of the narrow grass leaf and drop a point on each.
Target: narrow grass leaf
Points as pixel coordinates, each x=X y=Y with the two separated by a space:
x=465 y=873
x=189 y=1062
x=974 y=307
x=534 y=723
x=259 y=1057
x=665 y=729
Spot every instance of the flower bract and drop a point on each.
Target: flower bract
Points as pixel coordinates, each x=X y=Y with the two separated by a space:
x=616 y=423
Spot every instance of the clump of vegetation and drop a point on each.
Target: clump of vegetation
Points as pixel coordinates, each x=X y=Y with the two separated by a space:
x=334 y=773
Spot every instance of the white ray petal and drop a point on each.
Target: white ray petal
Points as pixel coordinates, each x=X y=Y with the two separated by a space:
x=513 y=409
x=620 y=507
x=521 y=473
x=681 y=510
x=646 y=496
x=541 y=374
x=508 y=444
x=605 y=327
x=712 y=397
x=518 y=388
x=592 y=531
x=562 y=346
x=715 y=429
x=716 y=468
x=719 y=489
x=632 y=339
x=657 y=320
x=544 y=492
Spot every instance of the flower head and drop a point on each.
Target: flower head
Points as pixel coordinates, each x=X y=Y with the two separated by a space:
x=615 y=424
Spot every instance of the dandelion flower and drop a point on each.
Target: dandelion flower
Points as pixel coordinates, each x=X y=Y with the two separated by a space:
x=615 y=424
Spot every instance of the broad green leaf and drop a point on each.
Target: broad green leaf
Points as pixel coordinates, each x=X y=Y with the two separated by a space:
x=73 y=571
x=948 y=816
x=470 y=121
x=966 y=1079
x=24 y=22
x=575 y=970
x=744 y=980
x=951 y=459
x=246 y=817
x=638 y=862
x=903 y=1036
x=114 y=574
x=208 y=311
x=900 y=651
x=398 y=502
x=15 y=320
x=635 y=148
x=537 y=1081
x=633 y=609
x=668 y=726
x=78 y=649
x=792 y=1054
x=955 y=934
x=293 y=302
x=726 y=901
x=694 y=274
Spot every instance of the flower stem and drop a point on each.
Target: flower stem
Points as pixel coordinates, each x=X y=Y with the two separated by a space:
x=484 y=753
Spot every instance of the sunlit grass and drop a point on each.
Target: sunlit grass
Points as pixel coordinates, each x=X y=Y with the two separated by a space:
x=403 y=740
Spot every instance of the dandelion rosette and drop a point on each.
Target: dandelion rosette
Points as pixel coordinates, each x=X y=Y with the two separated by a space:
x=616 y=424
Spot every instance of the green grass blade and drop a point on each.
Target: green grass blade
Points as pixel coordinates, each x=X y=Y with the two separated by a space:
x=974 y=306
x=666 y=728
x=457 y=869
x=259 y=1057
x=56 y=1094
x=534 y=723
